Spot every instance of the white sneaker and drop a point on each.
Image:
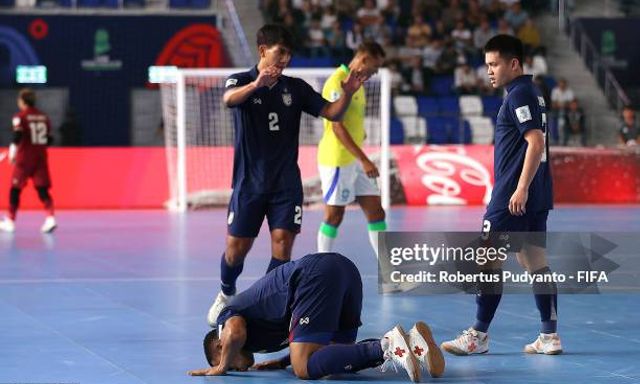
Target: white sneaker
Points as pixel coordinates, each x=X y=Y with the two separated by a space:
x=470 y=342
x=426 y=350
x=221 y=302
x=49 y=225
x=7 y=225
x=546 y=343
x=396 y=350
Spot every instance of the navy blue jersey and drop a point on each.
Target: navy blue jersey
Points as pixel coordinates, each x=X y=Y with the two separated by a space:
x=317 y=298
x=522 y=110
x=267 y=126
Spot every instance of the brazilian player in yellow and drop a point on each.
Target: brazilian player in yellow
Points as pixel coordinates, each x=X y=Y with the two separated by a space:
x=346 y=172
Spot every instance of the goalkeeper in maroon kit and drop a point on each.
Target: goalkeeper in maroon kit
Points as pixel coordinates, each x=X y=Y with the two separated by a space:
x=28 y=154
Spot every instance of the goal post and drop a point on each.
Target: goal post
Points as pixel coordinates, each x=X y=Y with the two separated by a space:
x=199 y=135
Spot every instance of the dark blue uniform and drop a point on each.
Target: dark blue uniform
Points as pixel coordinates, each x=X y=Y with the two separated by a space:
x=522 y=110
x=266 y=177
x=316 y=299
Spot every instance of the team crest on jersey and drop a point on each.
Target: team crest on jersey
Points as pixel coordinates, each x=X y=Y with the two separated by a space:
x=345 y=194
x=230 y=82
x=287 y=99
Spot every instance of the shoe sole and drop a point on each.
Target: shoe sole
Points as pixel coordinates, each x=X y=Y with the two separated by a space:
x=415 y=365
x=459 y=352
x=535 y=352
x=435 y=358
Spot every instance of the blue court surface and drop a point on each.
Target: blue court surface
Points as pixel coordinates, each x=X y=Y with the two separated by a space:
x=121 y=296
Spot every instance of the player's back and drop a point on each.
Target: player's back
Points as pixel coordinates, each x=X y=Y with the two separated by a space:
x=35 y=128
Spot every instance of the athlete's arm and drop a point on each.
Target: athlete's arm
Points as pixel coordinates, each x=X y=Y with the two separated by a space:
x=239 y=95
x=532 y=159
x=333 y=111
x=345 y=138
x=233 y=337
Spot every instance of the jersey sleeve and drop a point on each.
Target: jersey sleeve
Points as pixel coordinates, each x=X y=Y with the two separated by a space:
x=312 y=101
x=332 y=90
x=525 y=110
x=16 y=123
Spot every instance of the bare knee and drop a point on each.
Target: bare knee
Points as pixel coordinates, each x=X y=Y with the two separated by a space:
x=333 y=215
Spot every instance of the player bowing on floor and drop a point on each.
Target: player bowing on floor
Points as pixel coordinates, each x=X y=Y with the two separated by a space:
x=28 y=153
x=312 y=305
x=267 y=107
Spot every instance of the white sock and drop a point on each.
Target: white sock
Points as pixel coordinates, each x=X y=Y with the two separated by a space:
x=325 y=241
x=373 y=239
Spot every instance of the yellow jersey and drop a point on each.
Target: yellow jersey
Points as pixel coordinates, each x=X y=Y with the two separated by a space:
x=331 y=152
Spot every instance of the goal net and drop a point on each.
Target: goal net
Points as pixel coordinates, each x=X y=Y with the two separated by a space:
x=199 y=136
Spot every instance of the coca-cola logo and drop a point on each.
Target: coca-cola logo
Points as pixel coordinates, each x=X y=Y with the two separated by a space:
x=447 y=170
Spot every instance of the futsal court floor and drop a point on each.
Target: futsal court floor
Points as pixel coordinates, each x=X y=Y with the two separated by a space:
x=121 y=296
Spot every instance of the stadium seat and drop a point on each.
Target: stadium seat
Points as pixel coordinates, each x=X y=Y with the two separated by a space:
x=449 y=105
x=437 y=132
x=7 y=3
x=428 y=106
x=491 y=105
x=470 y=105
x=481 y=128
x=415 y=129
x=460 y=132
x=405 y=106
x=396 y=134
x=442 y=85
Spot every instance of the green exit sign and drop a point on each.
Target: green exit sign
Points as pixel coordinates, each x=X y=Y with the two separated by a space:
x=31 y=74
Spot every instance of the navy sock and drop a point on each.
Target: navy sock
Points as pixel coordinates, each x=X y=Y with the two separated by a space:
x=229 y=275
x=546 y=295
x=275 y=263
x=487 y=300
x=344 y=358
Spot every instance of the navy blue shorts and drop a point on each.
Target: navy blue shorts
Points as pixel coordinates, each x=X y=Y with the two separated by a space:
x=327 y=301
x=530 y=227
x=247 y=211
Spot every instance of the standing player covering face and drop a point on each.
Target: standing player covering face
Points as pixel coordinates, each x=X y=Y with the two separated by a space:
x=521 y=198
x=346 y=172
x=267 y=107
x=28 y=153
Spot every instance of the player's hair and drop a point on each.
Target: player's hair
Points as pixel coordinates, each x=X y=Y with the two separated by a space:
x=628 y=107
x=507 y=46
x=272 y=34
x=28 y=96
x=372 y=49
x=211 y=336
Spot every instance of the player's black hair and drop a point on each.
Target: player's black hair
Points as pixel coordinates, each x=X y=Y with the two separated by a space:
x=272 y=34
x=372 y=49
x=211 y=336
x=507 y=46
x=28 y=96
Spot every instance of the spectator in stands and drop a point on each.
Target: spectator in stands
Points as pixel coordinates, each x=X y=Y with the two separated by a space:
x=629 y=134
x=415 y=78
x=440 y=31
x=465 y=80
x=452 y=13
x=336 y=41
x=542 y=86
x=482 y=34
x=561 y=96
x=391 y=12
x=515 y=16
x=397 y=80
x=355 y=37
x=316 y=43
x=462 y=37
x=419 y=32
x=329 y=17
x=534 y=67
x=574 y=124
x=447 y=61
x=294 y=28
x=530 y=36
x=474 y=14
x=408 y=51
x=504 y=28
x=368 y=14
x=377 y=32
x=430 y=56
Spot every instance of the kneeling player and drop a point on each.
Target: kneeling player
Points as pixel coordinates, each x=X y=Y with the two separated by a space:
x=313 y=306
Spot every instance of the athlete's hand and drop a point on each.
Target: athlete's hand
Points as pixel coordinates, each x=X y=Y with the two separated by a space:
x=518 y=202
x=13 y=152
x=370 y=168
x=353 y=82
x=269 y=365
x=211 y=371
x=268 y=76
